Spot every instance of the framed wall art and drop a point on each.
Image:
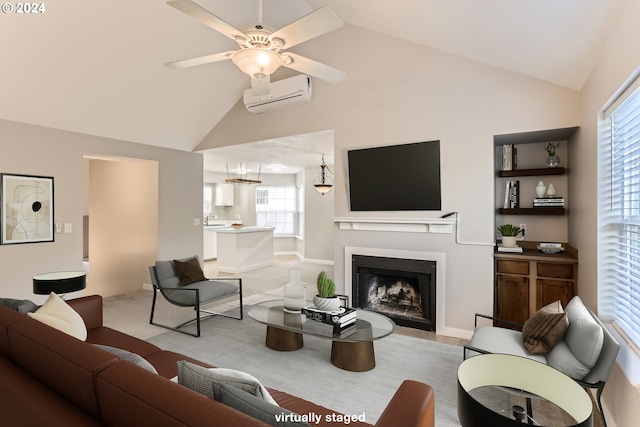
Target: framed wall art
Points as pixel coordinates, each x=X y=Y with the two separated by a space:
x=26 y=212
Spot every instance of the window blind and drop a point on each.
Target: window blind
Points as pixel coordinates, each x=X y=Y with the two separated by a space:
x=619 y=215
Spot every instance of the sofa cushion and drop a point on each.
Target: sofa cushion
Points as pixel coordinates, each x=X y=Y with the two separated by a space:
x=209 y=290
x=542 y=331
x=189 y=271
x=256 y=407
x=20 y=305
x=136 y=359
x=132 y=397
x=583 y=342
x=502 y=340
x=200 y=379
x=61 y=362
x=57 y=314
x=27 y=402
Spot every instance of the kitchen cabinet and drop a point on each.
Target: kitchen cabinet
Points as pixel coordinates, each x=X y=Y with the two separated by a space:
x=525 y=282
x=210 y=243
x=224 y=194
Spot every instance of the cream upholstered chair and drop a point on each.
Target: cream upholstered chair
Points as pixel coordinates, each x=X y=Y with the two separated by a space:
x=189 y=288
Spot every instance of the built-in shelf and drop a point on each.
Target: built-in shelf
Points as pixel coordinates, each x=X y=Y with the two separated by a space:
x=533 y=211
x=532 y=172
x=408 y=225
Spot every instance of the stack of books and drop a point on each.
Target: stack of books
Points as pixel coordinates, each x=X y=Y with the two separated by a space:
x=509 y=157
x=339 y=324
x=548 y=202
x=515 y=248
x=512 y=194
x=550 y=248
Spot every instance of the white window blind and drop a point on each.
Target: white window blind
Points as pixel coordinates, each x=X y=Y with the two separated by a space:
x=277 y=207
x=619 y=214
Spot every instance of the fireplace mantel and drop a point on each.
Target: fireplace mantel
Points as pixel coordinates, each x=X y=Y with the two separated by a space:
x=408 y=225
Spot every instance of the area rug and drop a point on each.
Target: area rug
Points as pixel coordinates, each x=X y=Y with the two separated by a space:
x=309 y=374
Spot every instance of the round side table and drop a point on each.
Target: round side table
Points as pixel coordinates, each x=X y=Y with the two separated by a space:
x=523 y=377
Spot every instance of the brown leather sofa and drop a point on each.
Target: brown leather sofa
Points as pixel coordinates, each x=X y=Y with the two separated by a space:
x=49 y=378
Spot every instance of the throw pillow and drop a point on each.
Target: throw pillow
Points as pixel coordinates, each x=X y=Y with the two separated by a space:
x=21 y=305
x=256 y=407
x=56 y=313
x=545 y=328
x=136 y=359
x=189 y=271
x=199 y=379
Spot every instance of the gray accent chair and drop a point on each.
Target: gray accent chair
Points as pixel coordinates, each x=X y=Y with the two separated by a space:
x=576 y=355
x=166 y=281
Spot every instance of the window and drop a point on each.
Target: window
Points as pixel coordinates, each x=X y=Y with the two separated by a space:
x=277 y=207
x=619 y=214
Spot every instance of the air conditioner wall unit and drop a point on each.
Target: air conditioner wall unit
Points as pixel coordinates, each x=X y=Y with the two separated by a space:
x=294 y=90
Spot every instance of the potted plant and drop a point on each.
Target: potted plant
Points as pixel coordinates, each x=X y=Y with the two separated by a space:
x=509 y=233
x=326 y=299
x=553 y=161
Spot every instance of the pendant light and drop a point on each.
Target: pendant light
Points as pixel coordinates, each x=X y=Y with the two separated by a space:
x=323 y=183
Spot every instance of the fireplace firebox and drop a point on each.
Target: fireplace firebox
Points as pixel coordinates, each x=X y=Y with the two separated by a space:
x=402 y=289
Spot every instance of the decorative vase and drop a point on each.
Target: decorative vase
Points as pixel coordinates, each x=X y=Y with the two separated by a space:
x=326 y=304
x=541 y=190
x=509 y=241
x=553 y=161
x=551 y=190
x=294 y=295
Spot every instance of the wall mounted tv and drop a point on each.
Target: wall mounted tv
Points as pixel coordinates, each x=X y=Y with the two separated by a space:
x=403 y=177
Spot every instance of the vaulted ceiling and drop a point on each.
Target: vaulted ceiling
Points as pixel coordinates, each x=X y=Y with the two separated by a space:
x=96 y=67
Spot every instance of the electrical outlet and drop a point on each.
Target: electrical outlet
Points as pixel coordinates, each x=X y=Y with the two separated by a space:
x=524 y=230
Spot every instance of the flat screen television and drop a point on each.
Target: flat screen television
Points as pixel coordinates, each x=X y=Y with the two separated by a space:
x=403 y=177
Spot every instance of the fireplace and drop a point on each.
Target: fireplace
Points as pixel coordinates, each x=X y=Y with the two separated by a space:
x=402 y=289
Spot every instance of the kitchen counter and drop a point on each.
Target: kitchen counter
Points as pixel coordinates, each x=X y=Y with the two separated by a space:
x=244 y=229
x=244 y=248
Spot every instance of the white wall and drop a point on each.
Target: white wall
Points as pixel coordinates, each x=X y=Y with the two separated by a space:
x=28 y=149
x=318 y=234
x=418 y=94
x=617 y=63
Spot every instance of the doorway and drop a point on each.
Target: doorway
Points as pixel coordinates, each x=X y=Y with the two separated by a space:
x=122 y=211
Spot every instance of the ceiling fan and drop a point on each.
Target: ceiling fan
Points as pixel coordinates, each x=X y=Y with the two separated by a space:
x=262 y=51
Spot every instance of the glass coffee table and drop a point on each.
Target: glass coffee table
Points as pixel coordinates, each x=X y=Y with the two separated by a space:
x=352 y=353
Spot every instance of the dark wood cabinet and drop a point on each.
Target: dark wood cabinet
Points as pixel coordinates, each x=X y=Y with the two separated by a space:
x=527 y=281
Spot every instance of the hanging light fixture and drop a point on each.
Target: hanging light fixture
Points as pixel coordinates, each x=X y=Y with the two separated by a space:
x=242 y=176
x=323 y=183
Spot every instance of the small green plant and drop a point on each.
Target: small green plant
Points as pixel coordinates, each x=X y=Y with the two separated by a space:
x=509 y=230
x=326 y=287
x=551 y=148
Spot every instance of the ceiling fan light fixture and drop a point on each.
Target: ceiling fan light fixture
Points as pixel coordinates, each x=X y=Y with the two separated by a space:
x=257 y=62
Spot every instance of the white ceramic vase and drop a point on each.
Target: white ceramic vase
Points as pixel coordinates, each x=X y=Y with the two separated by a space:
x=326 y=304
x=541 y=190
x=551 y=190
x=509 y=241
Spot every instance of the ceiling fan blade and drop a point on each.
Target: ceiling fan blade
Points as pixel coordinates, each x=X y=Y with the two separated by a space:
x=314 y=68
x=200 y=60
x=209 y=19
x=260 y=86
x=315 y=24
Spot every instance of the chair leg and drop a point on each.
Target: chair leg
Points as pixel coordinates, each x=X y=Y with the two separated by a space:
x=598 y=395
x=177 y=328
